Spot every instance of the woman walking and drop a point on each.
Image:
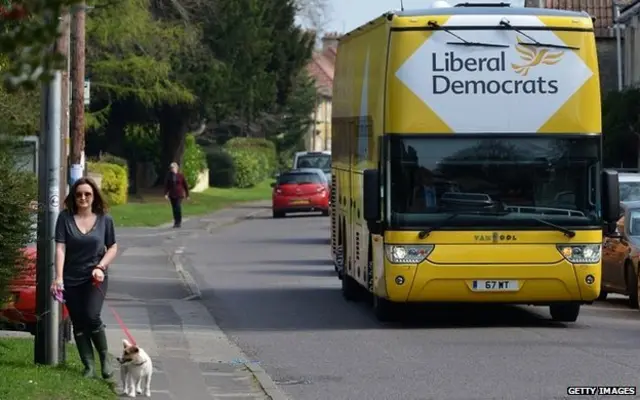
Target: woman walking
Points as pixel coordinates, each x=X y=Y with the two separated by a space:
x=176 y=189
x=85 y=246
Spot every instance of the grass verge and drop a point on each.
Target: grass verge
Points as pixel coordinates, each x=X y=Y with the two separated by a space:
x=21 y=379
x=153 y=210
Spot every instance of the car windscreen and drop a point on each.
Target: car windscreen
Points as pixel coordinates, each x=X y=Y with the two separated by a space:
x=634 y=223
x=320 y=161
x=629 y=191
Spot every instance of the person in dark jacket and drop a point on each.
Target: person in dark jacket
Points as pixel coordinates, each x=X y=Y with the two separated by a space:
x=176 y=189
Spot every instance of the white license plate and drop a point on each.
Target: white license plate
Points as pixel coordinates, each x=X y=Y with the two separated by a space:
x=495 y=286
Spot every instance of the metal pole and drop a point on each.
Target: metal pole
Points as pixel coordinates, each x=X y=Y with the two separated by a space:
x=46 y=340
x=616 y=13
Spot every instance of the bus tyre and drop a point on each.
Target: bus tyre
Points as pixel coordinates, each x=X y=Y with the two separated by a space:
x=603 y=295
x=350 y=287
x=383 y=309
x=633 y=281
x=564 y=312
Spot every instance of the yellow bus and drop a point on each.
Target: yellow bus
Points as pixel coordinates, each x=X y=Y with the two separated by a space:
x=467 y=160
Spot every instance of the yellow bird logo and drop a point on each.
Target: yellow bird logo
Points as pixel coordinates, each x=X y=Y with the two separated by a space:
x=534 y=57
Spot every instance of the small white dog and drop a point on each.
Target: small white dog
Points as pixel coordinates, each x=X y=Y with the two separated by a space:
x=136 y=369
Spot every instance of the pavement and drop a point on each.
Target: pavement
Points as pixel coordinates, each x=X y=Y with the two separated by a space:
x=270 y=285
x=192 y=357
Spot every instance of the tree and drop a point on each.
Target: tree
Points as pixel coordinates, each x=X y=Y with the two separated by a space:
x=621 y=128
x=29 y=30
x=19 y=111
x=129 y=59
x=18 y=191
x=296 y=115
x=313 y=12
x=263 y=74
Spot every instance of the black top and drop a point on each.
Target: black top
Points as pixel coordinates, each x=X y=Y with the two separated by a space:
x=83 y=251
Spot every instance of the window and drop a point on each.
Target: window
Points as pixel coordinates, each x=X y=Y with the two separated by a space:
x=634 y=223
x=25 y=154
x=629 y=191
x=321 y=161
x=299 y=178
x=501 y=181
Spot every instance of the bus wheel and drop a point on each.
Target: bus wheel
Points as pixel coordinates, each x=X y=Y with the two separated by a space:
x=383 y=309
x=633 y=281
x=603 y=295
x=350 y=288
x=564 y=312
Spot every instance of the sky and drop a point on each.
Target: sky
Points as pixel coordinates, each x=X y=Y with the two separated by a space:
x=345 y=15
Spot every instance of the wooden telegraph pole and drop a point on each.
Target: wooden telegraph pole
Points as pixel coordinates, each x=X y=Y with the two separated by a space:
x=63 y=47
x=77 y=84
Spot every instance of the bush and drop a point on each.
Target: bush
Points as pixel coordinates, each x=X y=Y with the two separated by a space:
x=221 y=170
x=111 y=159
x=194 y=161
x=18 y=190
x=264 y=150
x=247 y=167
x=115 y=181
x=285 y=161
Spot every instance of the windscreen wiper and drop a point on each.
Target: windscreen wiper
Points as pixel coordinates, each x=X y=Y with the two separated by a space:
x=463 y=42
x=505 y=22
x=567 y=232
x=424 y=233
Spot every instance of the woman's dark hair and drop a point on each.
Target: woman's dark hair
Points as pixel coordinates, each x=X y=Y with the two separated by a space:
x=99 y=205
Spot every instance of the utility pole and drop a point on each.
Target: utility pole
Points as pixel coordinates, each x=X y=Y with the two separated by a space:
x=77 y=86
x=47 y=340
x=63 y=47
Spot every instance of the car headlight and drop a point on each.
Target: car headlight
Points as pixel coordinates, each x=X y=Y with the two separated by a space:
x=408 y=254
x=581 y=253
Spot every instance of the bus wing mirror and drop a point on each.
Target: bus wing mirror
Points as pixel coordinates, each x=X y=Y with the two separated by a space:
x=610 y=196
x=371 y=195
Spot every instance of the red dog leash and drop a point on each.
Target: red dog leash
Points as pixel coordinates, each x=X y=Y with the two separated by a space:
x=115 y=314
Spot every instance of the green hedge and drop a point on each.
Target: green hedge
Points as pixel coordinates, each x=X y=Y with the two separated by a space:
x=111 y=159
x=241 y=162
x=115 y=181
x=194 y=161
x=247 y=166
x=264 y=147
x=221 y=169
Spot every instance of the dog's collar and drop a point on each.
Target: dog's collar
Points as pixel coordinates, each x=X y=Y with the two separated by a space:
x=139 y=364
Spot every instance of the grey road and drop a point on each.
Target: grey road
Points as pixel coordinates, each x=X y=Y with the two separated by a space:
x=271 y=287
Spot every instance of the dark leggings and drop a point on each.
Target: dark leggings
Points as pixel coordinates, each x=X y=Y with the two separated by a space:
x=84 y=303
x=176 y=209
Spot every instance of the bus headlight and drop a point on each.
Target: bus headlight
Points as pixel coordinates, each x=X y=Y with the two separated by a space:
x=581 y=253
x=408 y=254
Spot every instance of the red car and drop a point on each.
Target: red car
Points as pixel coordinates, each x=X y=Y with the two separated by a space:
x=19 y=311
x=300 y=190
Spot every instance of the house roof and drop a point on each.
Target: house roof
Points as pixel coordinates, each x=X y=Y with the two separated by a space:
x=322 y=65
x=601 y=10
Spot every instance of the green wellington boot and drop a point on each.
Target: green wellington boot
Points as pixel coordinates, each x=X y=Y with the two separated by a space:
x=85 y=350
x=99 y=339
